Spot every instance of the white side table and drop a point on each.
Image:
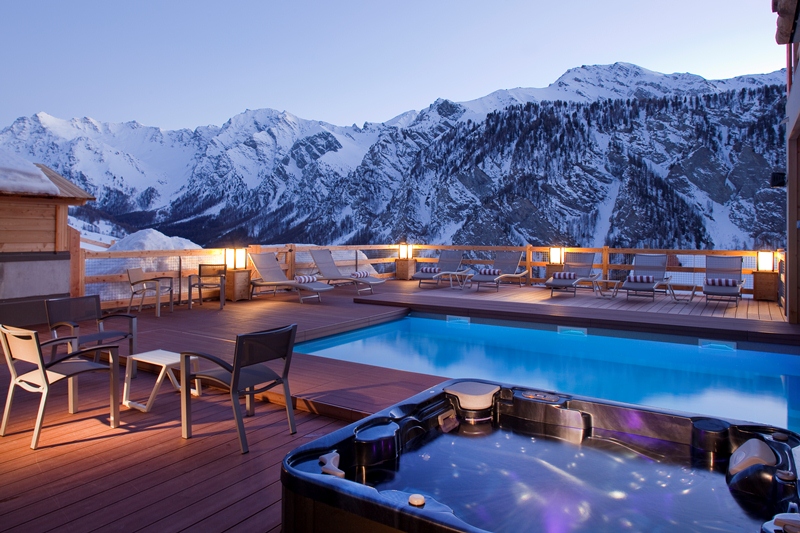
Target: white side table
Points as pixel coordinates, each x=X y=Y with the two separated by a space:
x=611 y=291
x=168 y=361
x=462 y=277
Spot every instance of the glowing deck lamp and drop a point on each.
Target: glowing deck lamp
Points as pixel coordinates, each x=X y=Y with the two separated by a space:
x=405 y=250
x=235 y=258
x=766 y=261
x=556 y=256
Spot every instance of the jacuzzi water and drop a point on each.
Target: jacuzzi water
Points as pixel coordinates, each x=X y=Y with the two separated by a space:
x=713 y=379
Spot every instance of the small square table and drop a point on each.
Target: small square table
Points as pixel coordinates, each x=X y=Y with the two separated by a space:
x=611 y=290
x=168 y=361
x=461 y=277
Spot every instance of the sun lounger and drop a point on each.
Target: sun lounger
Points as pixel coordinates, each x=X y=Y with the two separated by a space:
x=447 y=266
x=272 y=275
x=329 y=272
x=649 y=271
x=723 y=281
x=577 y=269
x=504 y=269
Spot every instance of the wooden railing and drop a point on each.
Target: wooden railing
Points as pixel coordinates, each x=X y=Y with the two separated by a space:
x=105 y=273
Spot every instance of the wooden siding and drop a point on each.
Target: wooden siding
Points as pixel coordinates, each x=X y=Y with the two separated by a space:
x=27 y=225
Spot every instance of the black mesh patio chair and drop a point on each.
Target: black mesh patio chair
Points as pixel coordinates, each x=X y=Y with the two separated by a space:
x=208 y=277
x=70 y=312
x=247 y=376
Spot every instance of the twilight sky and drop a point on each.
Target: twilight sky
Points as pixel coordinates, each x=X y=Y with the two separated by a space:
x=188 y=63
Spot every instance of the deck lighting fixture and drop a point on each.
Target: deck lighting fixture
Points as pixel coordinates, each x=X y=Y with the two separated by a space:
x=405 y=250
x=235 y=258
x=766 y=261
x=556 y=256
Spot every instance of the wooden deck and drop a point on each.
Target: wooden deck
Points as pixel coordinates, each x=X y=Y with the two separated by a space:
x=144 y=477
x=751 y=321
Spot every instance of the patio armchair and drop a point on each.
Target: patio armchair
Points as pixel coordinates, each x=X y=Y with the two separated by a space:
x=70 y=312
x=329 y=272
x=723 y=281
x=247 y=376
x=578 y=268
x=142 y=285
x=447 y=265
x=272 y=276
x=649 y=271
x=29 y=371
x=504 y=269
x=208 y=277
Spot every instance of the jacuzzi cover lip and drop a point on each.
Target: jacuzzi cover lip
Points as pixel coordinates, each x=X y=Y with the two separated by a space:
x=374 y=506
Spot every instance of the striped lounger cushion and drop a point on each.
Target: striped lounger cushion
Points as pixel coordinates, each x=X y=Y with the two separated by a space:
x=641 y=279
x=305 y=279
x=564 y=275
x=360 y=274
x=722 y=282
x=429 y=270
x=490 y=272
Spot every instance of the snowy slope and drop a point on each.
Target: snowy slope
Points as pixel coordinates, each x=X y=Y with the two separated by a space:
x=450 y=172
x=620 y=80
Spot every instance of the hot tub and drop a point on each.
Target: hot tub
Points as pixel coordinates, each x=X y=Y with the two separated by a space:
x=473 y=455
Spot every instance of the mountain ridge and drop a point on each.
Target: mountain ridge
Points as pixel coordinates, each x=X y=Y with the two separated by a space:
x=271 y=176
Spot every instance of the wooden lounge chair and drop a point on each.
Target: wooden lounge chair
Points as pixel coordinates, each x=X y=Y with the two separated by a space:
x=329 y=272
x=649 y=271
x=272 y=275
x=447 y=266
x=577 y=269
x=723 y=281
x=504 y=269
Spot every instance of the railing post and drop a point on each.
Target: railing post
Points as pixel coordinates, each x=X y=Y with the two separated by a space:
x=528 y=261
x=82 y=274
x=180 y=279
x=290 y=261
x=605 y=262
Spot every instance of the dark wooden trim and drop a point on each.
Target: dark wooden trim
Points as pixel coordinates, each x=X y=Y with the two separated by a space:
x=19 y=257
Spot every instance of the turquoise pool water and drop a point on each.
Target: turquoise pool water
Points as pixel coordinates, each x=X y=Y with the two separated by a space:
x=713 y=380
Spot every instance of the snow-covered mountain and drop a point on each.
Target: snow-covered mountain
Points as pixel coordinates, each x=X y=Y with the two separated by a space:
x=612 y=154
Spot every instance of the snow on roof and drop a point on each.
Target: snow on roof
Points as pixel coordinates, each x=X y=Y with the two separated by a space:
x=150 y=239
x=18 y=175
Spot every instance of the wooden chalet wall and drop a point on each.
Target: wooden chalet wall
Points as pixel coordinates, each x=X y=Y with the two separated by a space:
x=33 y=225
x=38 y=255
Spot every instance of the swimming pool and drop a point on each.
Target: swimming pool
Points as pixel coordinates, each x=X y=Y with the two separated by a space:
x=713 y=379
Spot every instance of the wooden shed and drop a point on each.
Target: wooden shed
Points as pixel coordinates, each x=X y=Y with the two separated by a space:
x=38 y=250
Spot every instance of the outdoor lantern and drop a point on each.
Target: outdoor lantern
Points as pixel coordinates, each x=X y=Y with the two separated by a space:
x=556 y=256
x=235 y=258
x=766 y=261
x=405 y=250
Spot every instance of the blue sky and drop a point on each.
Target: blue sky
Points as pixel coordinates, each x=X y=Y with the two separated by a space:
x=181 y=63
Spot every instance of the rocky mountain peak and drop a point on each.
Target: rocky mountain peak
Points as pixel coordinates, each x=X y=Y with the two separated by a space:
x=607 y=154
